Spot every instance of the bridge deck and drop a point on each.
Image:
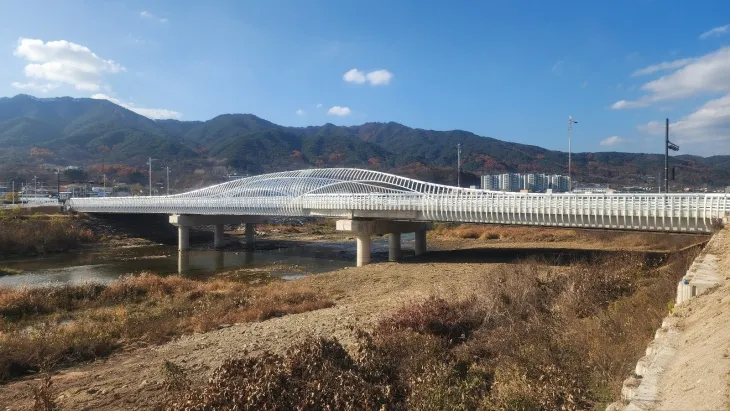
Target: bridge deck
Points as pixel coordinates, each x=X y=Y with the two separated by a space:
x=353 y=193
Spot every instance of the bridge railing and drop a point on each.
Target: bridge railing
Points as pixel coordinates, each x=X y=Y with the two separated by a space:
x=665 y=212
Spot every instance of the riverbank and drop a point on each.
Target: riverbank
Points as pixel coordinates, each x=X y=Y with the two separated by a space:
x=26 y=234
x=687 y=366
x=586 y=313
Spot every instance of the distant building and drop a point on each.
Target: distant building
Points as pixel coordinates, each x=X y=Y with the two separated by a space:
x=529 y=182
x=592 y=190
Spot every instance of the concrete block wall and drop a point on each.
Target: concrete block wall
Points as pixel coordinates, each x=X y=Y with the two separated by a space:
x=640 y=391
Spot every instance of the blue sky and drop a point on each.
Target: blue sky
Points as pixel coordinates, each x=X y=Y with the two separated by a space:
x=513 y=70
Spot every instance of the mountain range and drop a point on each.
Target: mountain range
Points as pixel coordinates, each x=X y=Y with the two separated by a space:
x=87 y=132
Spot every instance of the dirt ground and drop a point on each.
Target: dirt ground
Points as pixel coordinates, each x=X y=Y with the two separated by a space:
x=132 y=379
x=698 y=376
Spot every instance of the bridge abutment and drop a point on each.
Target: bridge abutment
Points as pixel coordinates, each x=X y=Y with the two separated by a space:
x=364 y=229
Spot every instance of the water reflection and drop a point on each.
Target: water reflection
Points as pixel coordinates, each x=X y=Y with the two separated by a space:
x=108 y=265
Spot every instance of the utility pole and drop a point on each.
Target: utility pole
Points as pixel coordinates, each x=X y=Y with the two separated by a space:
x=668 y=145
x=13 y=189
x=58 y=183
x=167 y=181
x=150 y=164
x=570 y=137
x=458 y=164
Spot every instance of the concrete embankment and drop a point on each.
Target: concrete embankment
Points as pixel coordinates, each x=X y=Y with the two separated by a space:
x=686 y=366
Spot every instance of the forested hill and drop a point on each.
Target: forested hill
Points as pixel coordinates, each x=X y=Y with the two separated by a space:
x=88 y=132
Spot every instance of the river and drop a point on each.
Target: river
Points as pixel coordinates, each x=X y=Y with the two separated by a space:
x=274 y=260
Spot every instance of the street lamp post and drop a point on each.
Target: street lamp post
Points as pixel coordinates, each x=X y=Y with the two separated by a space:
x=167 y=181
x=571 y=121
x=668 y=145
x=13 y=189
x=458 y=164
x=150 y=164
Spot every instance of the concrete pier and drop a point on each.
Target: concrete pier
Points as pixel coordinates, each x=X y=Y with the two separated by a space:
x=183 y=237
x=394 y=250
x=250 y=233
x=363 y=229
x=420 y=242
x=185 y=221
x=218 y=236
x=363 y=249
x=183 y=261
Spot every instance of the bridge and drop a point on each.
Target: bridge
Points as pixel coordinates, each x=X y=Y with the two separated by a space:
x=367 y=202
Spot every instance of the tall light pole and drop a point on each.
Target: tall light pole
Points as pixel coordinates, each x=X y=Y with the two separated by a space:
x=458 y=164
x=668 y=145
x=150 y=164
x=13 y=189
x=167 y=168
x=571 y=121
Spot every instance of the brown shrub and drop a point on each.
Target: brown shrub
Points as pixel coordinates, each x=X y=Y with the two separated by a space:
x=40 y=234
x=536 y=338
x=453 y=322
x=43 y=395
x=314 y=375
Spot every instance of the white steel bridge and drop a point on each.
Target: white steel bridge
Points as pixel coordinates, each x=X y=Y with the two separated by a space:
x=365 y=194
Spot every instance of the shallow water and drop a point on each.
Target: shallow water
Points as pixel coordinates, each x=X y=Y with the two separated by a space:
x=278 y=260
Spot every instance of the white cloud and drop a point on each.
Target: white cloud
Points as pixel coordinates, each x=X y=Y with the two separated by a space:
x=354 y=76
x=147 y=15
x=717 y=31
x=42 y=88
x=61 y=62
x=319 y=105
x=379 y=77
x=621 y=104
x=557 y=68
x=301 y=113
x=704 y=131
x=375 y=78
x=339 y=111
x=706 y=74
x=665 y=65
x=153 y=113
x=613 y=141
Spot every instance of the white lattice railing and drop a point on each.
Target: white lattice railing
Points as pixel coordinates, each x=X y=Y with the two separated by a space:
x=337 y=192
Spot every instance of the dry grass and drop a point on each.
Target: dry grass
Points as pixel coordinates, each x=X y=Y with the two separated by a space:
x=9 y=271
x=45 y=327
x=533 y=234
x=24 y=234
x=498 y=232
x=324 y=226
x=537 y=338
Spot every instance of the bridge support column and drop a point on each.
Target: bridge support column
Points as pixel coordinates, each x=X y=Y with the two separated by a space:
x=363 y=249
x=394 y=250
x=218 y=235
x=183 y=237
x=420 y=242
x=250 y=233
x=185 y=221
x=363 y=229
x=183 y=261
